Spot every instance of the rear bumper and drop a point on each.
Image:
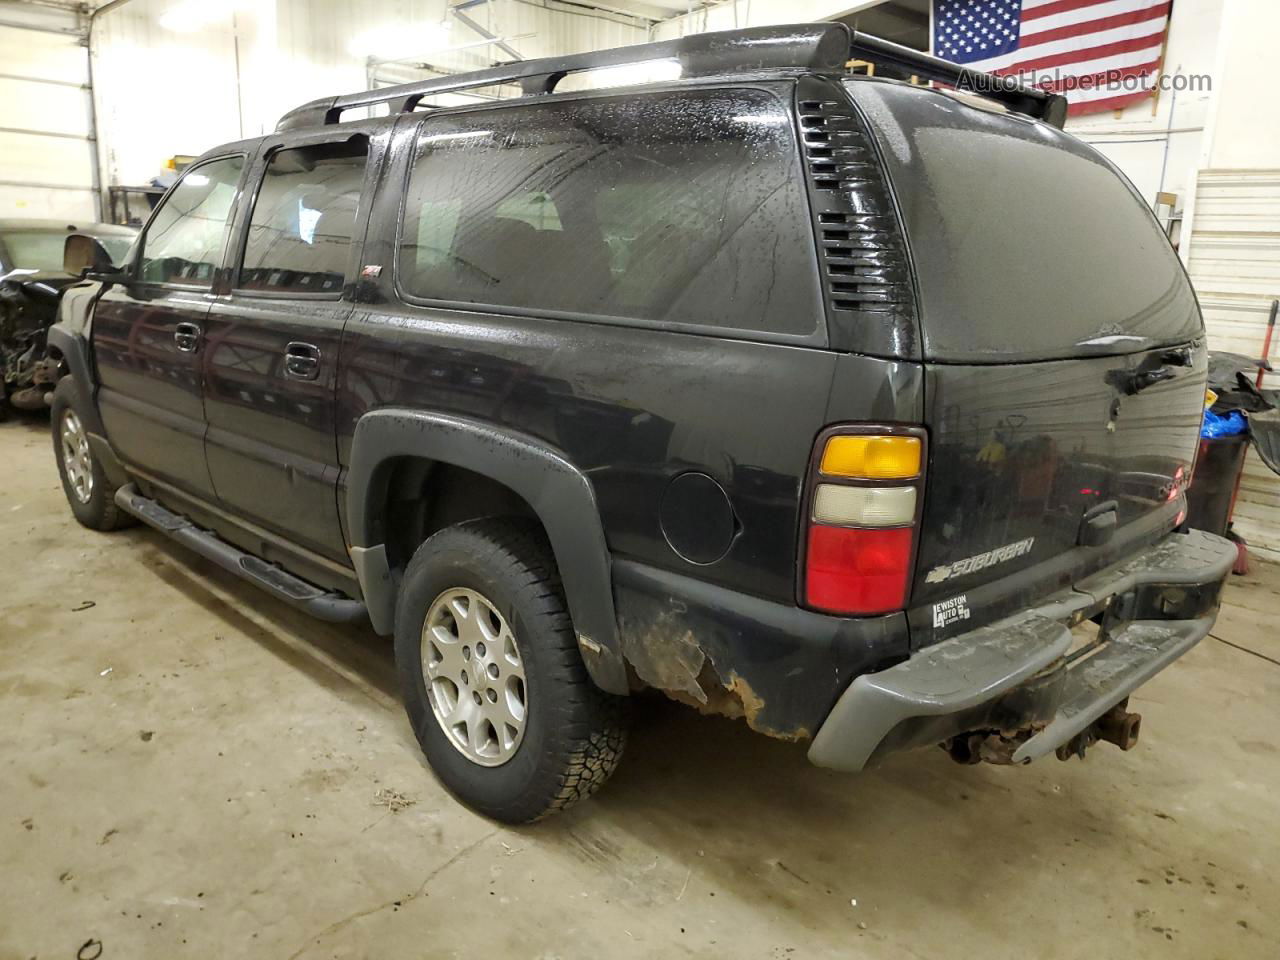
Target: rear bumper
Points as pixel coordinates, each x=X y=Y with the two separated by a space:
x=1019 y=680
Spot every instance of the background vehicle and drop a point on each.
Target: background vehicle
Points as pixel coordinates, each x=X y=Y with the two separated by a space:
x=31 y=281
x=748 y=387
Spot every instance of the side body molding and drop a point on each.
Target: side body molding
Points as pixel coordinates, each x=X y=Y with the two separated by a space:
x=559 y=493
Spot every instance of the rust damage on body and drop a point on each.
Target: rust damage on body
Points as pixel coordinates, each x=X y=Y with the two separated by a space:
x=667 y=656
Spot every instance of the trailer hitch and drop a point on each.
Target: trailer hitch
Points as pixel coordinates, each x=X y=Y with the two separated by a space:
x=1117 y=726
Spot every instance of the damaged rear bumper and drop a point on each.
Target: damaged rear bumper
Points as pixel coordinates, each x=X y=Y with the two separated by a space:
x=1018 y=681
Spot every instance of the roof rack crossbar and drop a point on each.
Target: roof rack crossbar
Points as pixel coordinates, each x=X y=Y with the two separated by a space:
x=819 y=47
x=1013 y=93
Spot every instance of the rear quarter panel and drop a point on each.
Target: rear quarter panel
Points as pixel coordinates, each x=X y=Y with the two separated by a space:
x=631 y=408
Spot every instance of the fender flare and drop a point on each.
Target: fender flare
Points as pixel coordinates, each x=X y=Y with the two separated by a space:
x=560 y=494
x=75 y=351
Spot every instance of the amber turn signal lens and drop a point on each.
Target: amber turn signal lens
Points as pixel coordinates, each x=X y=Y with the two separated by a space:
x=872 y=457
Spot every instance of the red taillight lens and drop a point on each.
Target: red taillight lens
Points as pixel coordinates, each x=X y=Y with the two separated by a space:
x=863 y=571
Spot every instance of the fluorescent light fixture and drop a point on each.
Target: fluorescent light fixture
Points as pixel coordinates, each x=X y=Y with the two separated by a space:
x=396 y=41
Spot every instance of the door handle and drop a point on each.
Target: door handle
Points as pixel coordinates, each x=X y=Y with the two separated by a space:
x=302 y=361
x=187 y=337
x=1098 y=524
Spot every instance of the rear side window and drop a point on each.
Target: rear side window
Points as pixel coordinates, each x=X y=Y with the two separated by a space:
x=303 y=219
x=185 y=239
x=1027 y=243
x=685 y=208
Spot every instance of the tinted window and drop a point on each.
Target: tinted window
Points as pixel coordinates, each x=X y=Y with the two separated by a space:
x=184 y=242
x=303 y=218
x=685 y=208
x=1027 y=243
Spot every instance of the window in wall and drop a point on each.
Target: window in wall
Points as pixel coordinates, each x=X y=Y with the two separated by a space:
x=303 y=219
x=673 y=207
x=184 y=242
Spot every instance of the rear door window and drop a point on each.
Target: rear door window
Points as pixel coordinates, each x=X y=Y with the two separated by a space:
x=1028 y=244
x=185 y=239
x=303 y=219
x=673 y=208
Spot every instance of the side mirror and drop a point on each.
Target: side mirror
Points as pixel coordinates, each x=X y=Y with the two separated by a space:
x=85 y=257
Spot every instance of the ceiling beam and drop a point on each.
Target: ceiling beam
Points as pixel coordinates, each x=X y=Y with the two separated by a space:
x=491 y=37
x=106 y=8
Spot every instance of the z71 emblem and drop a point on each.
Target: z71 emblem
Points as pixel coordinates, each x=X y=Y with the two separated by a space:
x=1009 y=551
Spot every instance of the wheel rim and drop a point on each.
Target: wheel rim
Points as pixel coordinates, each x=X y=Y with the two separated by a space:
x=77 y=458
x=475 y=676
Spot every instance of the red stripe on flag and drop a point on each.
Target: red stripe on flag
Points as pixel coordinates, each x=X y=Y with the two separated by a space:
x=1088 y=53
x=1065 y=6
x=1107 y=103
x=1093 y=26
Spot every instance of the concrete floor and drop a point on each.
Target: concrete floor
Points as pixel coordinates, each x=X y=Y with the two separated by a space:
x=191 y=769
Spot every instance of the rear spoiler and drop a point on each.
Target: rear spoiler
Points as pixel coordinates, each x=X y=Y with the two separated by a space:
x=1010 y=91
x=818 y=47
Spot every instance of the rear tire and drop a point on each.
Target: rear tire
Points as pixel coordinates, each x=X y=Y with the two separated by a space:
x=84 y=482
x=493 y=682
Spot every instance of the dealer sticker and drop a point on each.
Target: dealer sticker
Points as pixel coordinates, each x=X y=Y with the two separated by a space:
x=950 y=611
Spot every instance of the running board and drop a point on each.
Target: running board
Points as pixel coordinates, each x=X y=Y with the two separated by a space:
x=321 y=604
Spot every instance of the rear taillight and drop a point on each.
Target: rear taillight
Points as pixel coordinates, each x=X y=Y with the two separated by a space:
x=863 y=506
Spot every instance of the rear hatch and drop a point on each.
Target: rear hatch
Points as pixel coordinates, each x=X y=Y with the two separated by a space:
x=1063 y=353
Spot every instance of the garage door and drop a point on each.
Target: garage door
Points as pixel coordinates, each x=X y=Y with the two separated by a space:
x=46 y=154
x=1235 y=266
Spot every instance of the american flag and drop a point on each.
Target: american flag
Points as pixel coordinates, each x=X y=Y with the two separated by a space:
x=1100 y=54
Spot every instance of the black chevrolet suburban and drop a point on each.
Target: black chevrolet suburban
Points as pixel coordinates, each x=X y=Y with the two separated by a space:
x=860 y=409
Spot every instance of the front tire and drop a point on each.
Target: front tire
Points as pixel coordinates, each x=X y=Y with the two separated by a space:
x=493 y=682
x=84 y=482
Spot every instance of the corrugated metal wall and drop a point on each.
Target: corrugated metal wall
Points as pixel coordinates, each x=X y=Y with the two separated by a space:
x=162 y=93
x=1235 y=266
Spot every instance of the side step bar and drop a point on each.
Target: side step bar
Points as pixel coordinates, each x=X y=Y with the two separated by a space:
x=321 y=604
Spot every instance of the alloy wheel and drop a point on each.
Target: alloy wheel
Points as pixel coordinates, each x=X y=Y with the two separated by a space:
x=77 y=458
x=475 y=676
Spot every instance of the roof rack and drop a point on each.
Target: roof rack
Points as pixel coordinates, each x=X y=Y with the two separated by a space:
x=819 y=47
x=1010 y=91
